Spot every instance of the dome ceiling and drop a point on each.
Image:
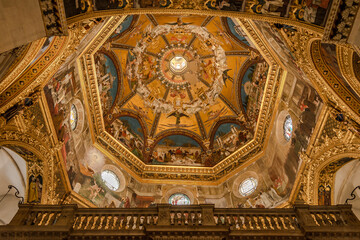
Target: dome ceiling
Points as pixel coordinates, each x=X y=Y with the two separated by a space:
x=180 y=90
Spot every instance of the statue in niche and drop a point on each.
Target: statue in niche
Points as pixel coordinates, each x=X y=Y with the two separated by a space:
x=35 y=189
x=324 y=195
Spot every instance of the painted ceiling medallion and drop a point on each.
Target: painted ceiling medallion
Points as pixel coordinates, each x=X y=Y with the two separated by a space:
x=178 y=66
x=173 y=62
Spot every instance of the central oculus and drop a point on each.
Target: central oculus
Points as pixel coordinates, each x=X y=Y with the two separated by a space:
x=178 y=64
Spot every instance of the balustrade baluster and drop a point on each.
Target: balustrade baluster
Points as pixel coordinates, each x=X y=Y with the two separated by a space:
x=193 y=216
x=262 y=222
x=122 y=222
x=252 y=222
x=135 y=218
x=222 y=219
x=228 y=218
x=108 y=221
x=95 y=219
x=90 y=221
x=149 y=220
x=101 y=222
x=273 y=222
x=247 y=222
x=318 y=219
x=267 y=222
x=283 y=223
x=142 y=222
x=287 y=222
x=257 y=221
x=332 y=218
x=216 y=218
x=155 y=219
x=199 y=218
x=128 y=222
x=50 y=220
x=179 y=218
x=242 y=219
x=37 y=218
x=44 y=216
x=172 y=218
x=325 y=219
x=114 y=222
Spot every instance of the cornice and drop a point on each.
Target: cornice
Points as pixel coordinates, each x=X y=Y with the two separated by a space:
x=220 y=13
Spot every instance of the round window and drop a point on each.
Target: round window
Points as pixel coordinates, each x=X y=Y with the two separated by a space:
x=73 y=117
x=288 y=128
x=179 y=199
x=248 y=186
x=110 y=179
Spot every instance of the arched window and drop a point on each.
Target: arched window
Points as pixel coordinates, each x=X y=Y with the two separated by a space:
x=288 y=128
x=179 y=199
x=73 y=117
x=110 y=179
x=248 y=186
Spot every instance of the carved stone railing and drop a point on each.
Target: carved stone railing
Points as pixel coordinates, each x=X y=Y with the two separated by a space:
x=164 y=221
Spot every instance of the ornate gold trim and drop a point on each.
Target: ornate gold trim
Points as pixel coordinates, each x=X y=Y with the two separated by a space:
x=341 y=92
x=323 y=152
x=233 y=14
x=15 y=71
x=156 y=173
x=344 y=56
x=33 y=76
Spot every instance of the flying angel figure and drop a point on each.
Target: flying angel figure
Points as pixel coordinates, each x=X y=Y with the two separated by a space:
x=178 y=116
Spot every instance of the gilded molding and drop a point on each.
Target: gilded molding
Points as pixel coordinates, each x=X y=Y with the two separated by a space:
x=344 y=56
x=331 y=80
x=33 y=76
x=233 y=14
x=342 y=143
x=15 y=71
x=122 y=156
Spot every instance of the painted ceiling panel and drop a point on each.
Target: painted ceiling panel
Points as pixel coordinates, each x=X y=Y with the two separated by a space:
x=180 y=75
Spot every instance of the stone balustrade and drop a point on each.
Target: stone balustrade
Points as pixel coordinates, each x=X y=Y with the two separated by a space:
x=164 y=221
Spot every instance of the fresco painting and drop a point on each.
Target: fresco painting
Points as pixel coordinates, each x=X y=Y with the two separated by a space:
x=276 y=41
x=252 y=88
x=178 y=150
x=125 y=25
x=237 y=32
x=129 y=132
x=107 y=80
x=228 y=137
x=59 y=92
